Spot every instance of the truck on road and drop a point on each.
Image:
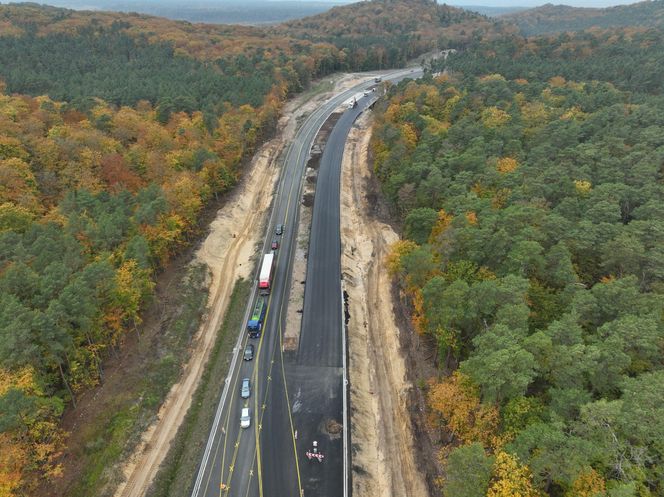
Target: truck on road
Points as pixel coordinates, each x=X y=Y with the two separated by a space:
x=255 y=324
x=265 y=276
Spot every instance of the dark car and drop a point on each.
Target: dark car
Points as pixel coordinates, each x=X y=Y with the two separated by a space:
x=275 y=244
x=279 y=229
x=249 y=352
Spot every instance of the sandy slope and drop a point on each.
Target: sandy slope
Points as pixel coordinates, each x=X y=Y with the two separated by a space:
x=382 y=436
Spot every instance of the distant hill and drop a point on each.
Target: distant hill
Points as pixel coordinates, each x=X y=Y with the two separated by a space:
x=630 y=58
x=491 y=11
x=384 y=33
x=551 y=18
x=208 y=11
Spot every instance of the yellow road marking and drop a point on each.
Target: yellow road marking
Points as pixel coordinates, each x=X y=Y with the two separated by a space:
x=290 y=417
x=251 y=470
x=258 y=426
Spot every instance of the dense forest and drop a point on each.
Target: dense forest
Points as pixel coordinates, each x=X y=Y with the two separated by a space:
x=115 y=131
x=532 y=257
x=124 y=58
x=630 y=58
x=551 y=18
x=90 y=205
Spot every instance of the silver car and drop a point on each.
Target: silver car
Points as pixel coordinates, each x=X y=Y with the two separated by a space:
x=245 y=418
x=245 y=391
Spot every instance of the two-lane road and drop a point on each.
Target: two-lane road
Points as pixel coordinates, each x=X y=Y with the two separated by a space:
x=289 y=395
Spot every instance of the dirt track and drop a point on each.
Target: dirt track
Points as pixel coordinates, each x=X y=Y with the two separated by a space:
x=382 y=435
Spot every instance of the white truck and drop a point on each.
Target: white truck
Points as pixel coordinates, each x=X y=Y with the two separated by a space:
x=265 y=276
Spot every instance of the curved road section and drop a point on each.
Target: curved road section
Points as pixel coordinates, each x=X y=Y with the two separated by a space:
x=297 y=399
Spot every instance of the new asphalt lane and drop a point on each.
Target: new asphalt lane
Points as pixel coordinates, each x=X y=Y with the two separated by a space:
x=298 y=398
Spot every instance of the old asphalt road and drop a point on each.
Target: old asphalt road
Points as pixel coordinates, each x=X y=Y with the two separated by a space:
x=299 y=394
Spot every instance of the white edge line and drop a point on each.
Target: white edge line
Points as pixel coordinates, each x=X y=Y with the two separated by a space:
x=231 y=371
x=345 y=392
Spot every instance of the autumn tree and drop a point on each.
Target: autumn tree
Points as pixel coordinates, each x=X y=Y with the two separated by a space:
x=510 y=478
x=455 y=405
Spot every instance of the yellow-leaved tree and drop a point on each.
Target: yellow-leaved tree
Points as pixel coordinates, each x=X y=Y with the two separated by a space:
x=510 y=478
x=13 y=460
x=493 y=117
x=397 y=250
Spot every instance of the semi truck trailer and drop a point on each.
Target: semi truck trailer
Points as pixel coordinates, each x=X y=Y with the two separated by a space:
x=265 y=276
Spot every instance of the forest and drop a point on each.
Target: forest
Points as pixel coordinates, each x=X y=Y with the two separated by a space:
x=125 y=58
x=91 y=205
x=531 y=203
x=631 y=58
x=551 y=18
x=116 y=130
x=384 y=34
x=126 y=69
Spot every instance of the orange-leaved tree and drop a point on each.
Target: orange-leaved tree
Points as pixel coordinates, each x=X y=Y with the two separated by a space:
x=455 y=405
x=588 y=483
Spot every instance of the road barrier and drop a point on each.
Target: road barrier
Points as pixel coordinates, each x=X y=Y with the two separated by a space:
x=346 y=391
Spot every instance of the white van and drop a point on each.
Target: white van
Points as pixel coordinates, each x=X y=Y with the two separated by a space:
x=245 y=418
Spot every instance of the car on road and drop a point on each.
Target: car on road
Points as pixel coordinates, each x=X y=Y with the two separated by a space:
x=378 y=79
x=245 y=418
x=249 y=352
x=275 y=244
x=279 y=229
x=366 y=93
x=245 y=391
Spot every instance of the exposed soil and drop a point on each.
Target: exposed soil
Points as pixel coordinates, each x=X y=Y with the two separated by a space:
x=383 y=399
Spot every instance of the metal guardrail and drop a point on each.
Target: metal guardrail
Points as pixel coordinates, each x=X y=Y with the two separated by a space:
x=346 y=420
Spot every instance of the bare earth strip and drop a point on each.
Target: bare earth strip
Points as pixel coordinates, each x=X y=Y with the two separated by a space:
x=382 y=436
x=228 y=251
